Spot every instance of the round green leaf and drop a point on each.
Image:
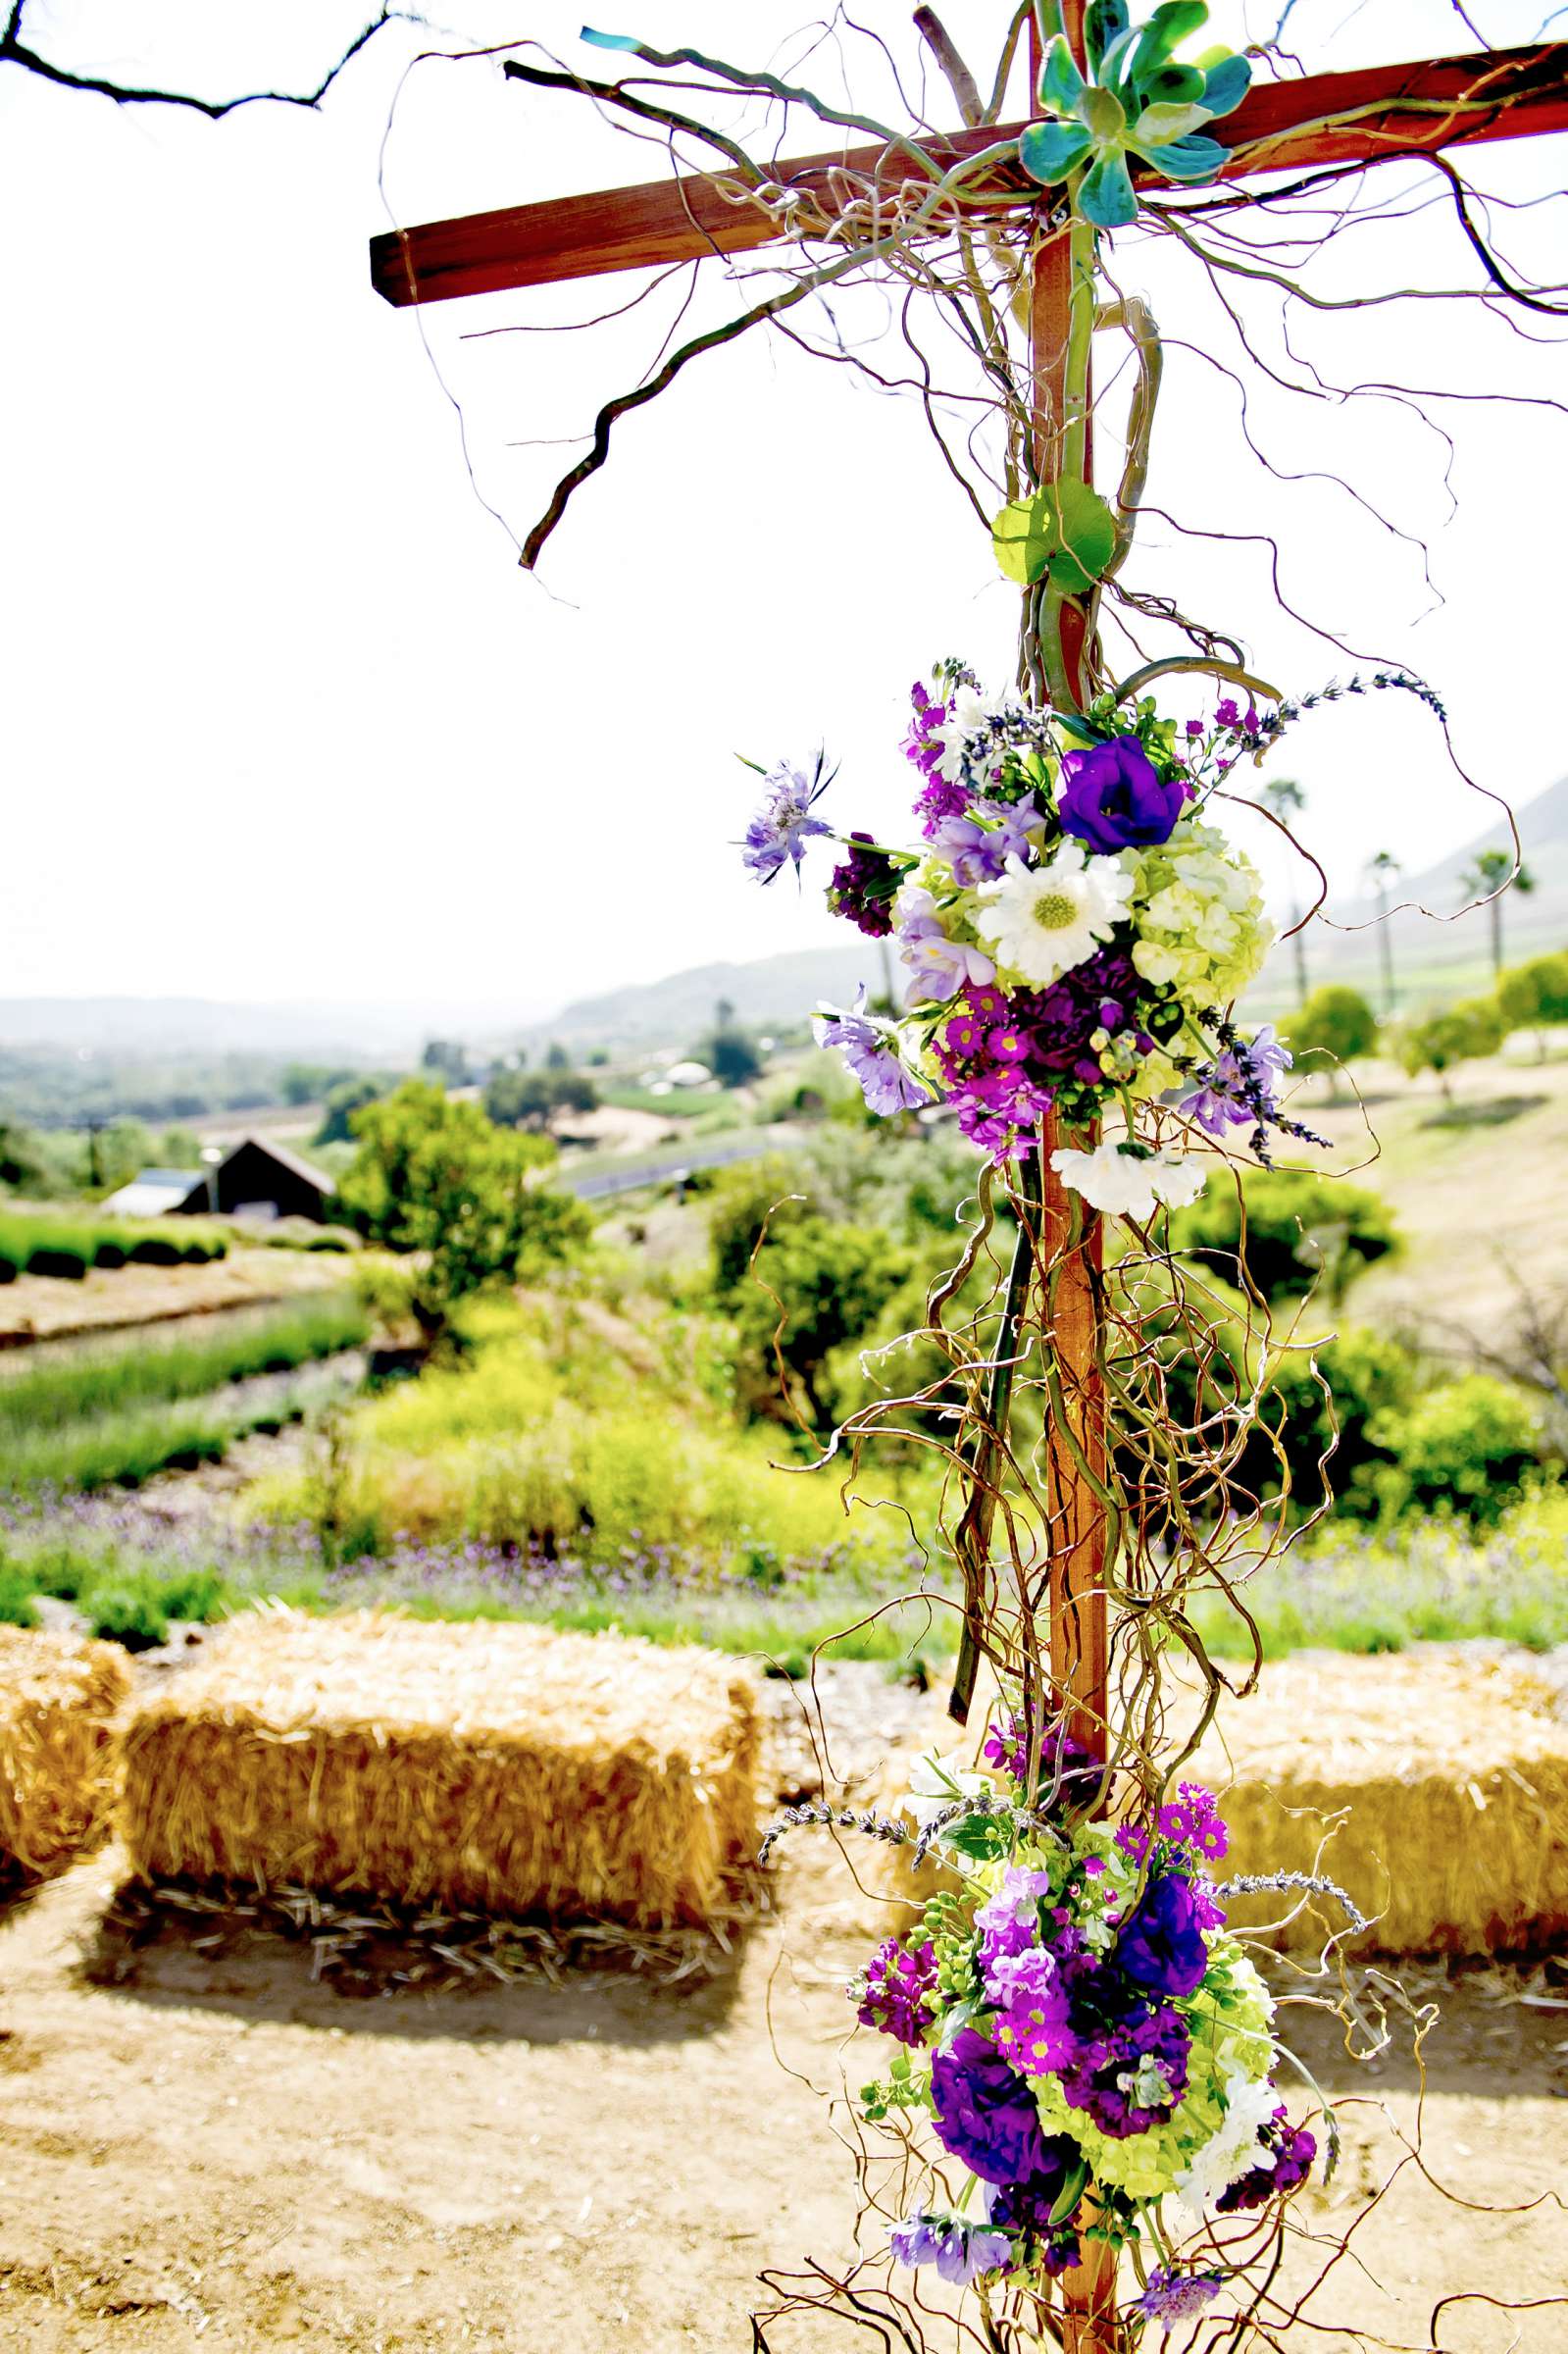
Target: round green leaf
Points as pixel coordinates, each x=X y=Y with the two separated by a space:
x=1087 y=537
x=1024 y=536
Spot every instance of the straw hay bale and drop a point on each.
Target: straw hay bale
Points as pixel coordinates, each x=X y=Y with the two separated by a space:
x=1454 y=1773
x=1431 y=1784
x=496 y=1766
x=57 y=1698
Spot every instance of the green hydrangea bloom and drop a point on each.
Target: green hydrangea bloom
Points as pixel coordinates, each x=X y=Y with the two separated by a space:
x=1230 y=2017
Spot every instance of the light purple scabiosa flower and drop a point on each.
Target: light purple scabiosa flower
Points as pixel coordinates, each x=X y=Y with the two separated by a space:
x=978 y=851
x=960 y=2251
x=940 y=966
x=871 y=1057
x=1172 y=2296
x=783 y=825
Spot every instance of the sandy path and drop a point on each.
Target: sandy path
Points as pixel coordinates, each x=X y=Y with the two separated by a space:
x=217 y=2152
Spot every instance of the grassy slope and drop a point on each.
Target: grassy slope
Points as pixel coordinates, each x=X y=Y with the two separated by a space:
x=1472 y=1202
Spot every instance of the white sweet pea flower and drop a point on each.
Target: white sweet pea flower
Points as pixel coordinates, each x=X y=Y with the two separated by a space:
x=1041 y=920
x=937 y=1782
x=1124 y=1184
x=1230 y=2152
x=968 y=712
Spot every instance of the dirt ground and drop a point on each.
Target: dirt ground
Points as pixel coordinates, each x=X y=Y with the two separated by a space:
x=203 y=2144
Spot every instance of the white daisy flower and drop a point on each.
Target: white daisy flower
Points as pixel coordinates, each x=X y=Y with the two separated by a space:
x=936 y=1782
x=1042 y=920
x=1129 y=1185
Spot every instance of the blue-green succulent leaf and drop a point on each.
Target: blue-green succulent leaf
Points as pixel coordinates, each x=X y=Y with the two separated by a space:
x=1105 y=20
x=1176 y=85
x=1170 y=23
x=1116 y=56
x=1061 y=85
x=1106 y=196
x=1158 y=125
x=1226 y=85
x=1191 y=159
x=1048 y=151
x=612 y=41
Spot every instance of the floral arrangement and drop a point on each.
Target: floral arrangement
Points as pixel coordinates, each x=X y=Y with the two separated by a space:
x=1074 y=927
x=1092 y=2049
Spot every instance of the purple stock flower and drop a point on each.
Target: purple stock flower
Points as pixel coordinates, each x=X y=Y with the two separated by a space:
x=1172 y=2296
x=1032 y=2024
x=1113 y=799
x=1293 y=2149
x=781 y=826
x=960 y=2251
x=863 y=887
x=872 y=1057
x=1068 y=1774
x=1009 y=1921
x=985 y=2116
x=1161 y=1945
x=896 y=1980
x=1130 y=2072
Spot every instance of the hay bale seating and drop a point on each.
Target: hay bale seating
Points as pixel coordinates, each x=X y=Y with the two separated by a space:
x=497 y=1768
x=58 y=1698
x=1431 y=1784
x=1452 y=1772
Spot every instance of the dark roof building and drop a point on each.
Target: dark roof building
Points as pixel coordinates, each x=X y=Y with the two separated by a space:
x=255 y=1179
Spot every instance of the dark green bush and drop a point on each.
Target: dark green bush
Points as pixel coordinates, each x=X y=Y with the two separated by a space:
x=1470 y=1447
x=17 y=1605
x=1298 y=1228
x=155 y=1250
x=108 y=1250
x=66 y=1260
x=130 y=1615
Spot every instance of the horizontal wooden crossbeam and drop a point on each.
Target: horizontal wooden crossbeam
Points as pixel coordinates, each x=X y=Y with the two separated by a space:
x=1374 y=115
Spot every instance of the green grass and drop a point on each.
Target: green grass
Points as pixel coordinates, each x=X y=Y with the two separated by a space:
x=114 y=1416
x=89 y=1383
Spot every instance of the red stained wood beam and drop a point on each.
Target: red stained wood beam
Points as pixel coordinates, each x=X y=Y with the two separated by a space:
x=1280 y=126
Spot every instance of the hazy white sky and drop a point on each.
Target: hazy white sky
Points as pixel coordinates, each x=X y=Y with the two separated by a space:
x=282 y=718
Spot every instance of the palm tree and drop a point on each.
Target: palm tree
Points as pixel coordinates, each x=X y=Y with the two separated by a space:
x=1284 y=800
x=1383 y=871
x=1491 y=875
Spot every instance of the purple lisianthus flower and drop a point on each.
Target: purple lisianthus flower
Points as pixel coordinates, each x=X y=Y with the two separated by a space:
x=863 y=886
x=1027 y=2207
x=985 y=2116
x=1113 y=799
x=960 y=2251
x=898 y=1978
x=941 y=966
x=871 y=1056
x=1172 y=2296
x=1161 y=1945
x=1293 y=2149
x=781 y=826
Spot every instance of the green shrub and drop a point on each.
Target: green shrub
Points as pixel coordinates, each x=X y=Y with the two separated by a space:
x=130 y=1615
x=1298 y=1228
x=66 y=1260
x=1471 y=1447
x=108 y=1250
x=56 y=1568
x=194 y=1593
x=17 y=1605
x=155 y=1250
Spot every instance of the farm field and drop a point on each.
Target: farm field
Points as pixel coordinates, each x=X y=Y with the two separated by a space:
x=40 y=1308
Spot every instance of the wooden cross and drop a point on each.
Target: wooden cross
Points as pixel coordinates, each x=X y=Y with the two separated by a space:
x=1378 y=115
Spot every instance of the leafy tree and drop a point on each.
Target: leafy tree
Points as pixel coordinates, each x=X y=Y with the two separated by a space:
x=20 y=1164
x=447 y=1060
x=437 y=1180
x=343 y=1100
x=732 y=1058
x=816 y=1284
x=536 y=1098
x=309 y=1082
x=1461 y=1033
x=1490 y=876
x=1336 y=1023
x=556 y=1057
x=1382 y=871
x=1532 y=995
x=1298 y=1230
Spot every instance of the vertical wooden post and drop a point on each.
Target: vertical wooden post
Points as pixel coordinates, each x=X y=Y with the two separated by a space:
x=1068 y=1299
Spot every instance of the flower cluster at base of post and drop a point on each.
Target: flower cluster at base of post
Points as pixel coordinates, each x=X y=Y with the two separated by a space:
x=1092 y=2049
x=1073 y=928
